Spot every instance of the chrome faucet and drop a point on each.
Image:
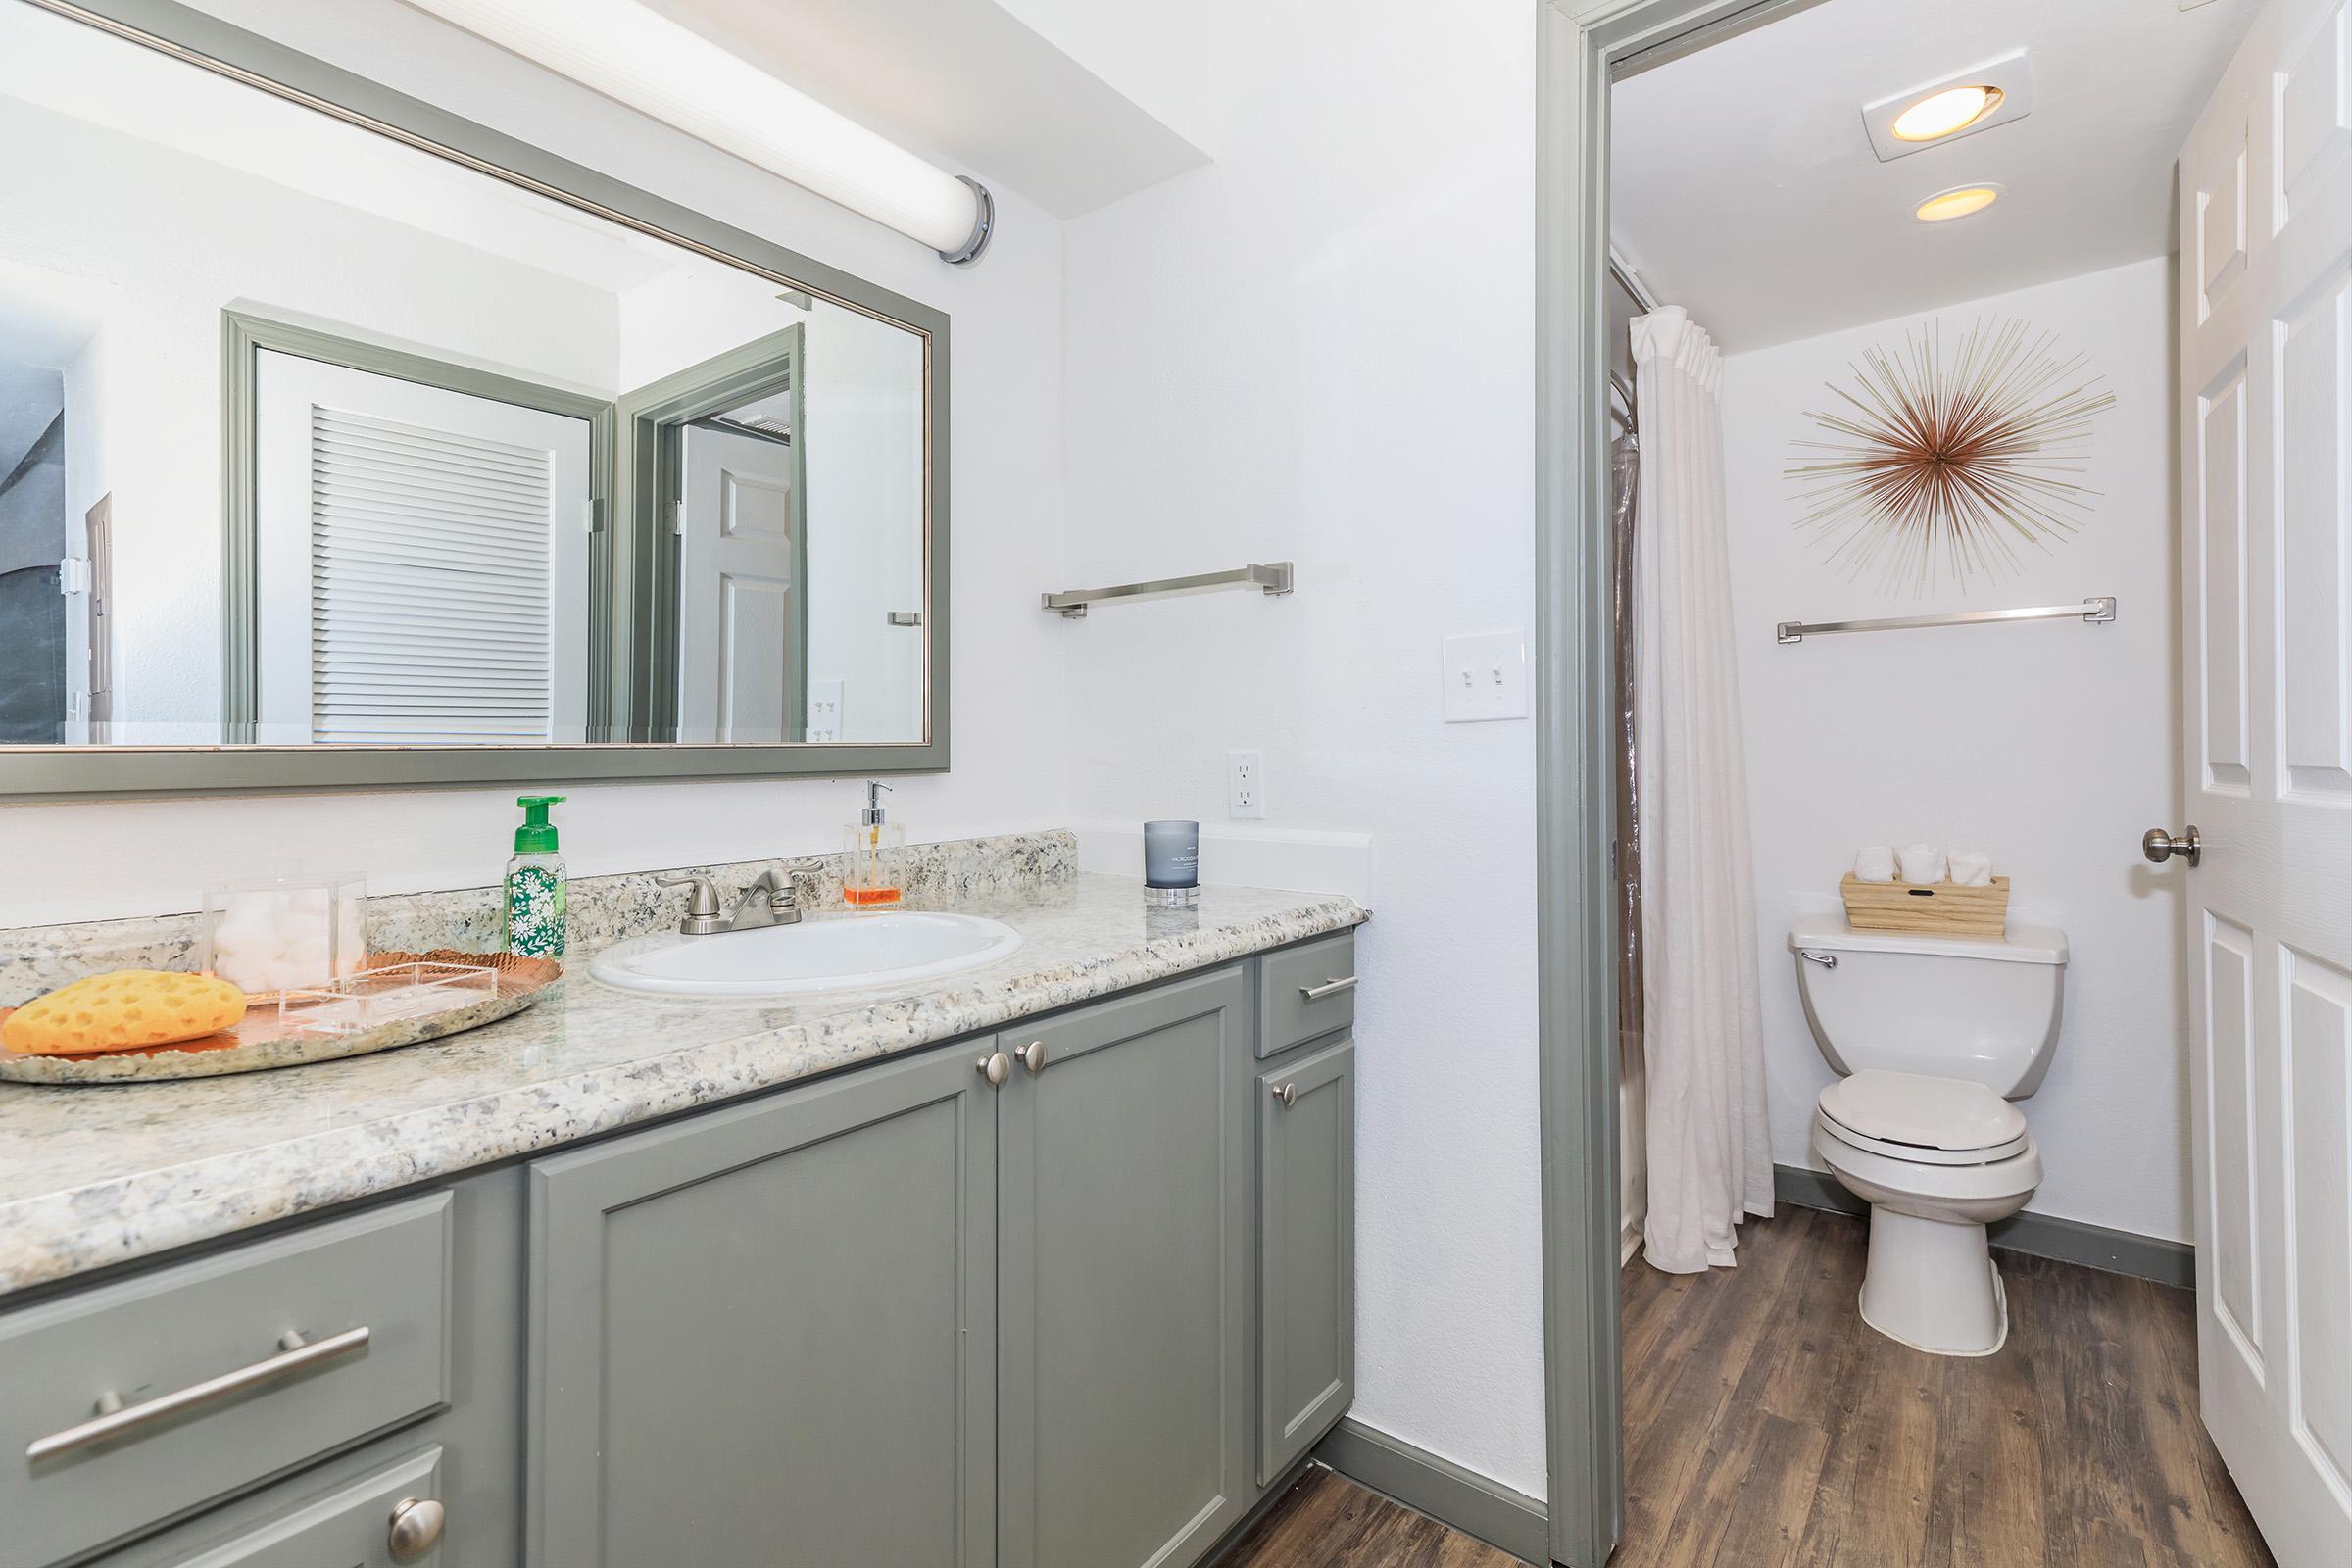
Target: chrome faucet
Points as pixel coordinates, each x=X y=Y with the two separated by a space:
x=773 y=899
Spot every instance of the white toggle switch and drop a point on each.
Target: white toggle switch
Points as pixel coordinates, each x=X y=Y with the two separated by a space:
x=1486 y=677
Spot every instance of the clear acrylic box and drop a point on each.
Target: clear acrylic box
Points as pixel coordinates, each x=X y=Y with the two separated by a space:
x=392 y=994
x=284 y=933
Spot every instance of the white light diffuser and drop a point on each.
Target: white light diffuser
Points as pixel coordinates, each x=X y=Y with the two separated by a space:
x=681 y=78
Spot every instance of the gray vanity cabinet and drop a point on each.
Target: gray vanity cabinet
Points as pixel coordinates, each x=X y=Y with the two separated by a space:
x=766 y=1334
x=1306 y=1252
x=1125 y=1268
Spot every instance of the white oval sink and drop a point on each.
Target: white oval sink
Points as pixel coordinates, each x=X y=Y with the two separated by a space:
x=823 y=952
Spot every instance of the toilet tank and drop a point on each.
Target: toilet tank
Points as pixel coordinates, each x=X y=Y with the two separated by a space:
x=1968 y=1007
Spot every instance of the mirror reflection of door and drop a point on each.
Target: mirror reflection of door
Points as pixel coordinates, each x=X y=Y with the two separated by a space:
x=32 y=541
x=421 y=562
x=743 y=565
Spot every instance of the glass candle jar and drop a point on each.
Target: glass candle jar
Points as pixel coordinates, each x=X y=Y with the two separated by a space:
x=1171 y=862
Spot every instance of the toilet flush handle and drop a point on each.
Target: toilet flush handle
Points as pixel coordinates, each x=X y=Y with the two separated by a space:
x=1827 y=960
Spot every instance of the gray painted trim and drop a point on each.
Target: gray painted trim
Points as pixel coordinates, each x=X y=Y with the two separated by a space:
x=1461 y=1499
x=2069 y=1240
x=1581 y=46
x=243 y=336
x=134 y=771
x=648 y=477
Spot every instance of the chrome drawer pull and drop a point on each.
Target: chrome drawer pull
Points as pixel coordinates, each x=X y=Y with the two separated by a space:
x=1286 y=1095
x=1329 y=988
x=296 y=1355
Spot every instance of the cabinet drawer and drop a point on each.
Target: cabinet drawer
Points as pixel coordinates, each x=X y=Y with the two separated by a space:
x=349 y=1526
x=1306 y=1254
x=227 y=1372
x=1305 y=991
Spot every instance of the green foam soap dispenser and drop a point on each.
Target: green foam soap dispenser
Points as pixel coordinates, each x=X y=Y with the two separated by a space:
x=535 y=890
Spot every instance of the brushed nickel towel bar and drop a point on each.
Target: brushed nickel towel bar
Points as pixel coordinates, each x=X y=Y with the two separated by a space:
x=1273 y=578
x=2093 y=611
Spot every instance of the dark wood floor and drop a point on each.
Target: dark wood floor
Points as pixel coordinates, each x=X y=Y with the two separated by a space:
x=1327 y=1522
x=1765 y=1423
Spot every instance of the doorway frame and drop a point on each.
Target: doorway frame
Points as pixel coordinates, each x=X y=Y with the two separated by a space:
x=646 y=480
x=246 y=334
x=1583 y=47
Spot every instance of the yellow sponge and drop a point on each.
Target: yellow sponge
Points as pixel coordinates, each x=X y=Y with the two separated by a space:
x=119 y=1011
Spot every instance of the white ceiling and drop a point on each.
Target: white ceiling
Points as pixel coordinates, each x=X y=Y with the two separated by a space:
x=966 y=81
x=1743 y=183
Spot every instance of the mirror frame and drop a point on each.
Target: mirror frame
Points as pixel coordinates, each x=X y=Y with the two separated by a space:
x=91 y=772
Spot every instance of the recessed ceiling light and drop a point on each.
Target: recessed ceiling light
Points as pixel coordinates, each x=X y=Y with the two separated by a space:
x=1967 y=102
x=1958 y=202
x=1943 y=113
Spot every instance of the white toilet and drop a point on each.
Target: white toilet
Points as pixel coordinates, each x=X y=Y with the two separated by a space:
x=1934 y=1034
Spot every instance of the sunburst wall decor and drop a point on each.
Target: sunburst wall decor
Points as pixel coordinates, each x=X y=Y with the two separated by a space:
x=1941 y=468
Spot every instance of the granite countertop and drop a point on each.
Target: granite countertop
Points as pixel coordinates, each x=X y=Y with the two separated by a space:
x=102 y=1174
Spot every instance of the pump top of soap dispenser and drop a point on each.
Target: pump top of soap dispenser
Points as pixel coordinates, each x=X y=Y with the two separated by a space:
x=873 y=815
x=537 y=835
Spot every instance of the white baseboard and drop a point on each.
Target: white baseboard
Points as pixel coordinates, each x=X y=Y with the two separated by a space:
x=1234 y=856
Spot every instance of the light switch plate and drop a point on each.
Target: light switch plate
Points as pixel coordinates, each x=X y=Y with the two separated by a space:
x=1486 y=677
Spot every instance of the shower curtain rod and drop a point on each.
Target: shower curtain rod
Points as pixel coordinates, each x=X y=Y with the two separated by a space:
x=1630 y=280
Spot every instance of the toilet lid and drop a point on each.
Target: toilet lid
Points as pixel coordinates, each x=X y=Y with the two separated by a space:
x=1908 y=1107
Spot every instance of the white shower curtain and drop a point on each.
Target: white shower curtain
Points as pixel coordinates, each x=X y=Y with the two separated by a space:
x=1710 y=1158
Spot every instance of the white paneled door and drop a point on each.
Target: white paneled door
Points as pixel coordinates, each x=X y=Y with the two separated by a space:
x=743 y=620
x=2266 y=366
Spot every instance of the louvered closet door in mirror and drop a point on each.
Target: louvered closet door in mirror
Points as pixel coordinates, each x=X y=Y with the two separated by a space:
x=422 y=563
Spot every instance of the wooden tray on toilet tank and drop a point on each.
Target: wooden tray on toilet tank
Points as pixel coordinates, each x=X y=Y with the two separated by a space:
x=1933 y=909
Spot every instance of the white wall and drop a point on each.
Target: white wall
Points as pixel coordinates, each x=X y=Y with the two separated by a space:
x=1320 y=349
x=80 y=861
x=2054 y=745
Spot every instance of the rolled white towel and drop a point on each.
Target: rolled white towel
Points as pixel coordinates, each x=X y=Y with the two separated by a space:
x=1921 y=864
x=1970 y=869
x=1875 y=864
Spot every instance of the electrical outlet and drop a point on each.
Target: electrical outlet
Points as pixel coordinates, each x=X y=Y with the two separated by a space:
x=1486 y=677
x=824 y=711
x=1245 y=784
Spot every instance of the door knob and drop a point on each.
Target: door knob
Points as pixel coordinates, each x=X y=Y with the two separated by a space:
x=1033 y=1055
x=996 y=1068
x=2159 y=845
x=416 y=1525
x=1286 y=1095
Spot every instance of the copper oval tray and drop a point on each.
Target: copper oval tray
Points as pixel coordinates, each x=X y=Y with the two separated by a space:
x=265 y=1041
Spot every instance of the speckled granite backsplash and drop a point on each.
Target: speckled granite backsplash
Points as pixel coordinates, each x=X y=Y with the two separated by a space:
x=603 y=909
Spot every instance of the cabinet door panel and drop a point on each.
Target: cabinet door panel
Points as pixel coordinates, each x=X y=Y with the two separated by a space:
x=763 y=1335
x=1306 y=1254
x=1126 y=1223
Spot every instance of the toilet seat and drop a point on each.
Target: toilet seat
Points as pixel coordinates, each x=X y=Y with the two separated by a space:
x=1922 y=1120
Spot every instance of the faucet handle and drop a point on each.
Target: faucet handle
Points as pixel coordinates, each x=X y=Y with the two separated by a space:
x=788 y=886
x=702 y=903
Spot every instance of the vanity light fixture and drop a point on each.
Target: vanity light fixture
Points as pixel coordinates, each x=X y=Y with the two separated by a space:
x=675 y=76
x=1944 y=114
x=1958 y=202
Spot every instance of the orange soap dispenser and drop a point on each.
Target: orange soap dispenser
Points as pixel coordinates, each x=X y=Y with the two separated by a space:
x=874 y=844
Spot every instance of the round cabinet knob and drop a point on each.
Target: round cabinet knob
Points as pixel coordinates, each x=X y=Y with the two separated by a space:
x=1287 y=1096
x=1033 y=1055
x=415 y=1527
x=2159 y=845
x=996 y=1068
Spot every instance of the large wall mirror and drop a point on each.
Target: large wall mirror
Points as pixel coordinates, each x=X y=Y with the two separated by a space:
x=346 y=443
